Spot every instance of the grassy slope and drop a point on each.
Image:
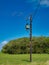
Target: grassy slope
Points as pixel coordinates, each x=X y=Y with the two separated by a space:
x=38 y=59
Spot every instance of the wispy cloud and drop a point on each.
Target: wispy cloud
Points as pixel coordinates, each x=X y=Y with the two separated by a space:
x=15 y=13
x=20 y=14
x=42 y=2
x=30 y=1
x=45 y=2
x=2 y=44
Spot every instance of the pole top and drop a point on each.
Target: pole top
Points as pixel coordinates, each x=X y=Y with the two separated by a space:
x=31 y=17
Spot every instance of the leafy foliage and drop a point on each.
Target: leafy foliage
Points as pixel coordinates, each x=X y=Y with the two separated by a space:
x=22 y=46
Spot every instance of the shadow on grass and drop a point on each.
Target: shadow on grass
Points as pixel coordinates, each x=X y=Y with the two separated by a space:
x=26 y=60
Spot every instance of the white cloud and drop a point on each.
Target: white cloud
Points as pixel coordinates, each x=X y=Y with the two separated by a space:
x=42 y=2
x=2 y=44
x=45 y=2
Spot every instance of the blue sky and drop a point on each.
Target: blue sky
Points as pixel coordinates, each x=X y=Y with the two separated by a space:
x=13 y=14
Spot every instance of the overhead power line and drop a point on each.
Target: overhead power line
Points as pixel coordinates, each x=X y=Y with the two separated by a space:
x=36 y=9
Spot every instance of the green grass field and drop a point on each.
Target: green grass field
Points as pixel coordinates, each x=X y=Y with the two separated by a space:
x=23 y=59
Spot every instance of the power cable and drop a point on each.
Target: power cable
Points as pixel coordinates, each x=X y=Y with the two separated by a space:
x=36 y=9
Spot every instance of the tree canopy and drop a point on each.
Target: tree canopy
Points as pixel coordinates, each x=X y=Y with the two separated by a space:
x=22 y=45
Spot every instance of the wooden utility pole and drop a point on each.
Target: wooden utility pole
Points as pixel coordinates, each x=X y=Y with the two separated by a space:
x=30 y=38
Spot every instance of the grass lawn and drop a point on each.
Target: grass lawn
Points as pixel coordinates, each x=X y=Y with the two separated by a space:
x=23 y=59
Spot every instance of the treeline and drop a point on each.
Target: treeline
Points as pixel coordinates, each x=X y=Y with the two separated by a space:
x=22 y=46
